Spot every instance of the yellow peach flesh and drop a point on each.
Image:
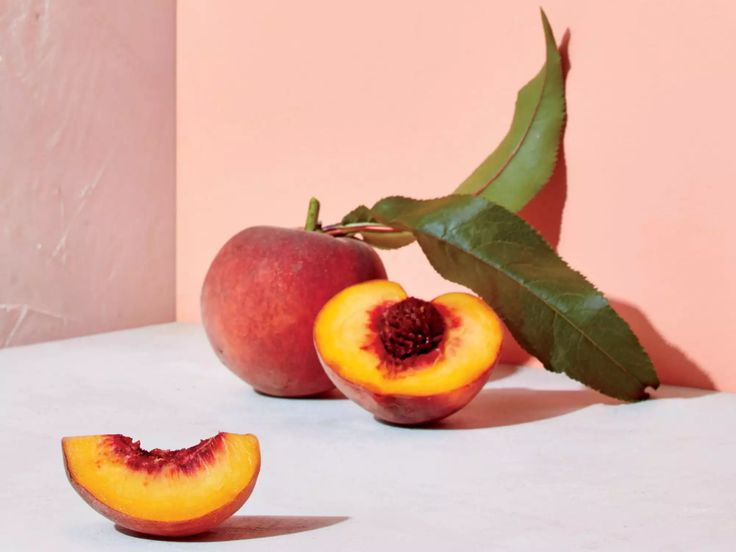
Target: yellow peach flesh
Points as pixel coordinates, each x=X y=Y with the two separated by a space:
x=344 y=338
x=167 y=495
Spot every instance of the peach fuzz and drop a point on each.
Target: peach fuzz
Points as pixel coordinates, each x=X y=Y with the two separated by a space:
x=405 y=360
x=161 y=492
x=261 y=295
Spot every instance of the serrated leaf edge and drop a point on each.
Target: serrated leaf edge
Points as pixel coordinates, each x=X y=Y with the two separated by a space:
x=639 y=346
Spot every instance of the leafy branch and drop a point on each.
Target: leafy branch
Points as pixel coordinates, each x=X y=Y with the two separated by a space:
x=473 y=237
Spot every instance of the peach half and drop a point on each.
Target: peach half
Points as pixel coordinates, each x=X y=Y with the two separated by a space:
x=169 y=493
x=405 y=360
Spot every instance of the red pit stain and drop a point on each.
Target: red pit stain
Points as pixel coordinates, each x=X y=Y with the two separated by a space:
x=187 y=460
x=383 y=323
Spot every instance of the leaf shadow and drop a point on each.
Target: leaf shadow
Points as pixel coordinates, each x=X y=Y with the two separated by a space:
x=250 y=527
x=675 y=392
x=673 y=366
x=544 y=212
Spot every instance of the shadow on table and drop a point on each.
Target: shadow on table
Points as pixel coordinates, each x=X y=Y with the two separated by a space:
x=513 y=406
x=251 y=527
x=331 y=395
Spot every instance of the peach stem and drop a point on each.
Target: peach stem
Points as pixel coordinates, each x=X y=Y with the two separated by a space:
x=342 y=229
x=312 y=215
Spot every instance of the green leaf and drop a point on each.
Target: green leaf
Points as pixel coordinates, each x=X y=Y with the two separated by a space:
x=523 y=162
x=552 y=310
x=360 y=214
x=388 y=240
x=380 y=240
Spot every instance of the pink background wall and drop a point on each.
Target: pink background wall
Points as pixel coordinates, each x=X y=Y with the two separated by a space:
x=350 y=102
x=87 y=168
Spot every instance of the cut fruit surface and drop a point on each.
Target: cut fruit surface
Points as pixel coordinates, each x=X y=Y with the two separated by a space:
x=162 y=492
x=383 y=348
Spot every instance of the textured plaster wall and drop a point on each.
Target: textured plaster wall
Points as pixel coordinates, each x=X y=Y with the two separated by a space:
x=354 y=101
x=87 y=166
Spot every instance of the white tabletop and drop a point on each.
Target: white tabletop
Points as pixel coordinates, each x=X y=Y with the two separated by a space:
x=535 y=462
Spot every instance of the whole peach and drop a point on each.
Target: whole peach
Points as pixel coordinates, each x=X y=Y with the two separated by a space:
x=261 y=296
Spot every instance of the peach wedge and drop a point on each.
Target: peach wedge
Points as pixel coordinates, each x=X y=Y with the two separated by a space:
x=169 y=493
x=405 y=360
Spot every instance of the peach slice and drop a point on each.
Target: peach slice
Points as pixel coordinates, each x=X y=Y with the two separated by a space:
x=405 y=360
x=163 y=492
